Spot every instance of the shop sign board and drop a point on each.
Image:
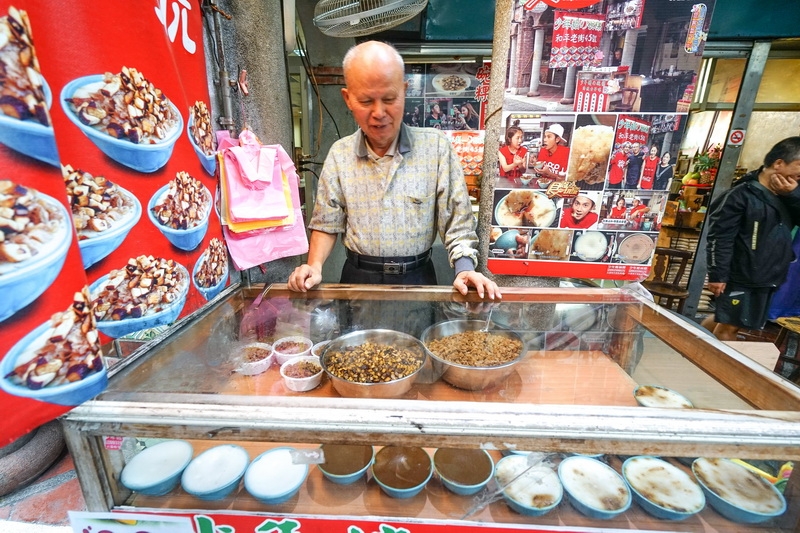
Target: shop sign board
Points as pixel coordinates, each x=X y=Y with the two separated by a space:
x=589 y=199
x=234 y=522
x=86 y=181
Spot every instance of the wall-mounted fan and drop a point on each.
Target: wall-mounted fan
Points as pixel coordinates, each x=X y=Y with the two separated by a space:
x=354 y=18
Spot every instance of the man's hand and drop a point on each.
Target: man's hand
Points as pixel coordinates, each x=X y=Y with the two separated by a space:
x=304 y=277
x=716 y=288
x=469 y=278
x=781 y=185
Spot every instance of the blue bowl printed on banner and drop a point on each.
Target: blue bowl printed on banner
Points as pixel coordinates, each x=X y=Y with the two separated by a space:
x=185 y=239
x=168 y=315
x=30 y=137
x=209 y=162
x=72 y=393
x=143 y=157
x=209 y=293
x=23 y=282
x=101 y=244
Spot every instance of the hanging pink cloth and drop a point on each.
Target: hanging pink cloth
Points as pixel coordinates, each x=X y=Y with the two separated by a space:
x=254 y=187
x=257 y=246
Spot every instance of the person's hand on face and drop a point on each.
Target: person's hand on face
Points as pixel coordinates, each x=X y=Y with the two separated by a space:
x=784 y=180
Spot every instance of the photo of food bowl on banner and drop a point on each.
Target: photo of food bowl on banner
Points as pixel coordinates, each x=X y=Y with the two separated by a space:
x=109 y=224
x=590 y=134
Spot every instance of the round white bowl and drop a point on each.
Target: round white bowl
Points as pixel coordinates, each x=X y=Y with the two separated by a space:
x=186 y=239
x=253 y=368
x=273 y=478
x=737 y=493
x=143 y=157
x=283 y=356
x=101 y=244
x=594 y=488
x=157 y=470
x=22 y=283
x=301 y=384
x=662 y=489
x=216 y=472
x=72 y=393
x=529 y=490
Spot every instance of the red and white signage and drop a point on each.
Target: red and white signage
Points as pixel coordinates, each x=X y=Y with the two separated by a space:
x=576 y=39
x=736 y=138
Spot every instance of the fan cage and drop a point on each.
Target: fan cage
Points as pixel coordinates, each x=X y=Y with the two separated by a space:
x=355 y=18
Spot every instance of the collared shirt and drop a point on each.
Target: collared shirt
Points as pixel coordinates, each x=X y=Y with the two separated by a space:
x=399 y=213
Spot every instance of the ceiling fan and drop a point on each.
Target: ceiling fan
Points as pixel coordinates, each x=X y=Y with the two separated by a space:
x=356 y=18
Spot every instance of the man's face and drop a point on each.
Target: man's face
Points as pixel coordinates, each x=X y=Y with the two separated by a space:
x=550 y=140
x=636 y=148
x=788 y=170
x=376 y=97
x=581 y=206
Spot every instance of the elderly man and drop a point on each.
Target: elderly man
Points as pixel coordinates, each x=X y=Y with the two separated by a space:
x=388 y=188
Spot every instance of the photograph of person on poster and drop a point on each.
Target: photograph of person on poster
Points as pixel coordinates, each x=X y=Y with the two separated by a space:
x=466 y=118
x=511 y=156
x=435 y=116
x=619 y=209
x=553 y=157
x=649 y=167
x=635 y=162
x=638 y=211
x=664 y=173
x=618 y=166
x=580 y=212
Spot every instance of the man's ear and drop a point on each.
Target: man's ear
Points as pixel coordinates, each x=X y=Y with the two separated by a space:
x=346 y=97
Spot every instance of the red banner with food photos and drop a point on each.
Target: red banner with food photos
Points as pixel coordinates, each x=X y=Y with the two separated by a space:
x=109 y=227
x=576 y=39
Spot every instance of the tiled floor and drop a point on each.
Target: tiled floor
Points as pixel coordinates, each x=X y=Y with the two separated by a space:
x=47 y=500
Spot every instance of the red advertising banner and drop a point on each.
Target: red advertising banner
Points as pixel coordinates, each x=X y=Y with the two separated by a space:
x=221 y=522
x=576 y=39
x=111 y=224
x=632 y=129
x=591 y=95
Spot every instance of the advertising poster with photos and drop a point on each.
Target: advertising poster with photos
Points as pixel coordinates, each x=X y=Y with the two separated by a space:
x=590 y=135
x=451 y=97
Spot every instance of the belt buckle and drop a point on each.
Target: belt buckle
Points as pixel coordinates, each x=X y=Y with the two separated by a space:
x=394 y=268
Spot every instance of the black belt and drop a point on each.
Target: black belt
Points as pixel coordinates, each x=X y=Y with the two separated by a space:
x=388 y=265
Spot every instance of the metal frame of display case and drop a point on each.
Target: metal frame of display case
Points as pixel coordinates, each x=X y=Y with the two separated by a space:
x=770 y=432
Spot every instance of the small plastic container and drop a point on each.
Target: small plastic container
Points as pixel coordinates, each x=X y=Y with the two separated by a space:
x=304 y=383
x=250 y=361
x=289 y=347
x=318 y=348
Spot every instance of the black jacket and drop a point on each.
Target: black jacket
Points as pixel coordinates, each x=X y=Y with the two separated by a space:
x=749 y=234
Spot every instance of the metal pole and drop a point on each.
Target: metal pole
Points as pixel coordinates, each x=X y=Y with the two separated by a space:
x=727 y=165
x=223 y=80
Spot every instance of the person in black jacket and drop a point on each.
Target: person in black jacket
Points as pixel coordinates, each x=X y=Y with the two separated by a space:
x=749 y=244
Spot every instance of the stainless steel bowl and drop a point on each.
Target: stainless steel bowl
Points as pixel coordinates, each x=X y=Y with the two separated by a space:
x=469 y=377
x=387 y=389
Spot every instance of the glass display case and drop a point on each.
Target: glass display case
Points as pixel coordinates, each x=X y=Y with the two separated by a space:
x=585 y=353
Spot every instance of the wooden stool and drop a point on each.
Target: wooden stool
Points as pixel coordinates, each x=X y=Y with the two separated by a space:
x=788 y=342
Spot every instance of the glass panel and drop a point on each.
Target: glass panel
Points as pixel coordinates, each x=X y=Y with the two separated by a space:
x=581 y=347
x=727 y=79
x=705 y=128
x=766 y=129
x=774 y=88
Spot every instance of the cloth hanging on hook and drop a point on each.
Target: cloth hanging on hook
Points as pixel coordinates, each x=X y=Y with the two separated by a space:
x=268 y=236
